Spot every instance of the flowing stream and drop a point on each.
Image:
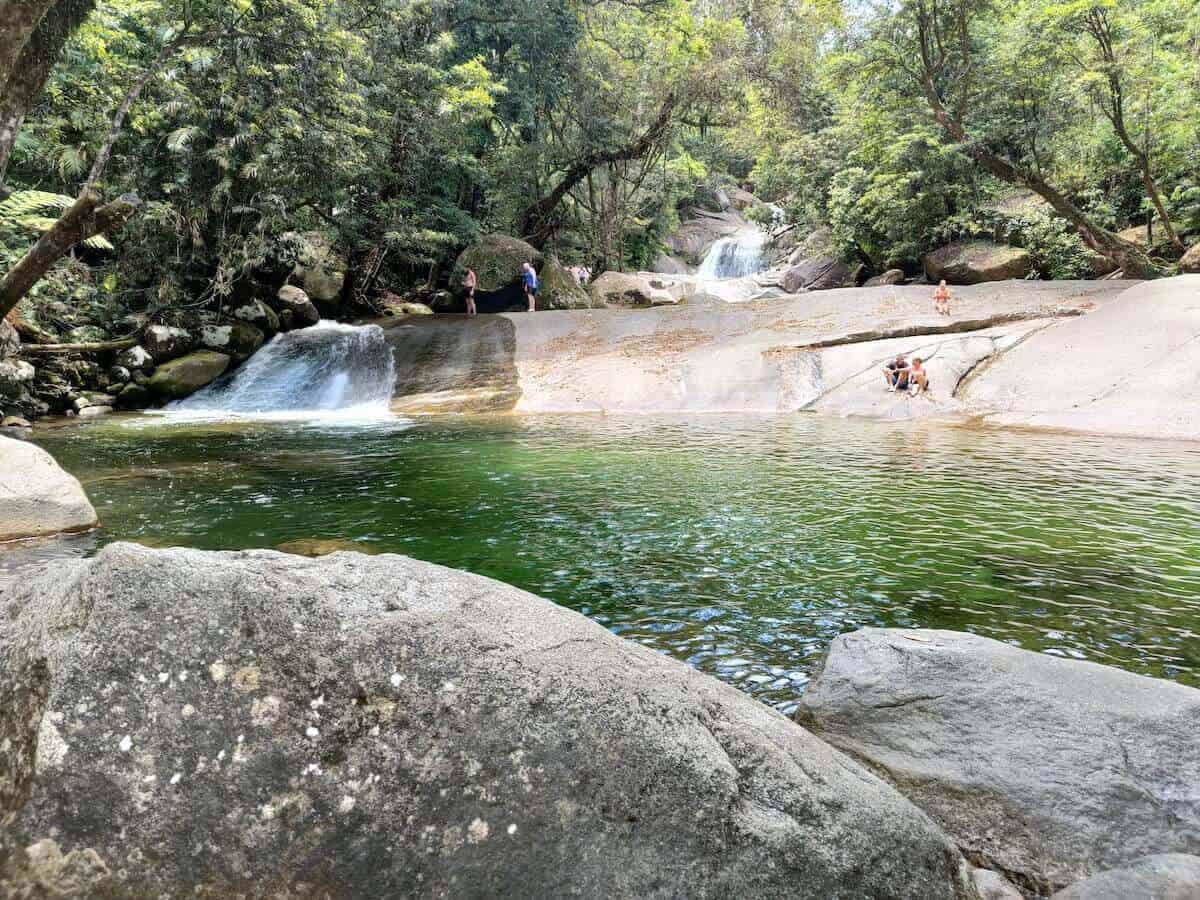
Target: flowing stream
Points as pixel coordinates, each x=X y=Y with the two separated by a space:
x=734 y=257
x=740 y=544
x=328 y=370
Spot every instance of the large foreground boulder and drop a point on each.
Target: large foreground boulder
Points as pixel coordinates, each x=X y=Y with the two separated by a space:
x=186 y=375
x=973 y=262
x=37 y=497
x=1047 y=769
x=221 y=724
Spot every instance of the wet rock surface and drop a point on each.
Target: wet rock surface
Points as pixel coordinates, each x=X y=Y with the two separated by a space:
x=216 y=724
x=1046 y=769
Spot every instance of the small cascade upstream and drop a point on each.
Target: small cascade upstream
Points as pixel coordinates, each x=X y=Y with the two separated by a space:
x=327 y=370
x=734 y=257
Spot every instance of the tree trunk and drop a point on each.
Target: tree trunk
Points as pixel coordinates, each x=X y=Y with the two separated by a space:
x=1126 y=255
x=536 y=224
x=84 y=219
x=23 y=90
x=18 y=20
x=1098 y=26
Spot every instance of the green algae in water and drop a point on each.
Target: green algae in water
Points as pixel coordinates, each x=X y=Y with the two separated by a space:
x=741 y=545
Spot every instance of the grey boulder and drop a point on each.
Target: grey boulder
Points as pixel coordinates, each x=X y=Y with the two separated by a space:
x=36 y=498
x=164 y=342
x=1164 y=876
x=821 y=274
x=1046 y=769
x=293 y=299
x=972 y=262
x=186 y=375
x=136 y=358
x=217 y=724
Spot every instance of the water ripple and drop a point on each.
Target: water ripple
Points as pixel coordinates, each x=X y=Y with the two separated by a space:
x=740 y=545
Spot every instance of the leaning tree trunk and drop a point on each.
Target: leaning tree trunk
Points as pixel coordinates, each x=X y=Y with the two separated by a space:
x=20 y=93
x=537 y=222
x=85 y=218
x=18 y=20
x=1125 y=254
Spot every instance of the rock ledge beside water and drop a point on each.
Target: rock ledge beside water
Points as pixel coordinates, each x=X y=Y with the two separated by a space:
x=1046 y=769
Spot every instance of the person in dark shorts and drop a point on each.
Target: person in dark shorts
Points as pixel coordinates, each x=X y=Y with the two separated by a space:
x=470 y=282
x=896 y=374
x=532 y=285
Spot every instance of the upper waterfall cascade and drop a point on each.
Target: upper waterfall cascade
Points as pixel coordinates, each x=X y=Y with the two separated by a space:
x=326 y=368
x=734 y=257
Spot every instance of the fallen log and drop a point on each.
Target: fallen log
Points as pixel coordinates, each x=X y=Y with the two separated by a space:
x=84 y=347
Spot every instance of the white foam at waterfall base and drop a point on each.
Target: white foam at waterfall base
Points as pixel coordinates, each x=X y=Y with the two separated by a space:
x=329 y=372
x=733 y=257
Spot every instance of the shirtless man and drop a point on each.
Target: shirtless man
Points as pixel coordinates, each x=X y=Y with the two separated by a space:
x=896 y=374
x=469 y=282
x=941 y=299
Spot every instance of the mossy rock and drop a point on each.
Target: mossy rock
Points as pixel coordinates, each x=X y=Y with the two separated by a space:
x=973 y=262
x=186 y=375
x=560 y=290
x=497 y=261
x=236 y=338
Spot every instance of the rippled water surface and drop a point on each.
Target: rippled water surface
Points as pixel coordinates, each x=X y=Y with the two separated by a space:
x=741 y=545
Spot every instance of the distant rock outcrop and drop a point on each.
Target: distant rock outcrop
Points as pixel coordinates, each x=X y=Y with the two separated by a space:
x=972 y=262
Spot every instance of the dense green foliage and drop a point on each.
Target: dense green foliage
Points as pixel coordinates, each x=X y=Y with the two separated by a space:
x=403 y=128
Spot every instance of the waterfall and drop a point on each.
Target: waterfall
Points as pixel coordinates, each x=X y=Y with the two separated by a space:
x=733 y=257
x=325 y=369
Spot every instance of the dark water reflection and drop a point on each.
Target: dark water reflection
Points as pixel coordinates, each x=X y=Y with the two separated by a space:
x=742 y=545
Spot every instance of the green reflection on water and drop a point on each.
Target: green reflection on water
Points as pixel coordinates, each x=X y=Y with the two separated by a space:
x=739 y=544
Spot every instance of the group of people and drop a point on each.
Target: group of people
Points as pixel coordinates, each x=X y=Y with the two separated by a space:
x=899 y=375
x=581 y=274
x=530 y=283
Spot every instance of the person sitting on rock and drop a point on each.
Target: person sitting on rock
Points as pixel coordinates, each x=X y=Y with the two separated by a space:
x=895 y=373
x=918 y=377
x=941 y=299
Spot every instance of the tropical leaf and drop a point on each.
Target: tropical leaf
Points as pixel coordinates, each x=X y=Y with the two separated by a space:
x=21 y=204
x=180 y=139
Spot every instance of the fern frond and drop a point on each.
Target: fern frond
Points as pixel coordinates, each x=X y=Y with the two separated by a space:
x=179 y=139
x=21 y=204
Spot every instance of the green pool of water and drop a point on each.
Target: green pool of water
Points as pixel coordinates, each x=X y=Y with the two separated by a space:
x=739 y=544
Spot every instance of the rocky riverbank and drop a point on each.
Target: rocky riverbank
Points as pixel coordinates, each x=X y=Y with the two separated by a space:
x=1100 y=356
x=179 y=722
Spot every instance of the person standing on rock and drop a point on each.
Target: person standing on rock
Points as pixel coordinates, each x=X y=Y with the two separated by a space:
x=941 y=299
x=469 y=282
x=532 y=285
